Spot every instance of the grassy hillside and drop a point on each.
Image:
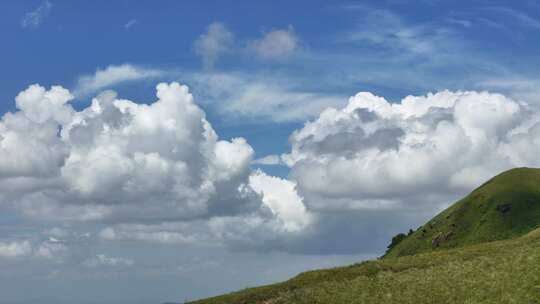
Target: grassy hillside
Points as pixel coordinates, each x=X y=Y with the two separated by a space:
x=492 y=256
x=506 y=206
x=497 y=272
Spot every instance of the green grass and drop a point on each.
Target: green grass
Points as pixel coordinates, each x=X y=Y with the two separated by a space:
x=496 y=272
x=490 y=257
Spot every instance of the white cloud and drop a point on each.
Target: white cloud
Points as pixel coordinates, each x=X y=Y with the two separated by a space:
x=214 y=43
x=148 y=168
x=116 y=154
x=34 y=18
x=281 y=197
x=29 y=143
x=40 y=105
x=421 y=152
x=275 y=44
x=262 y=98
x=102 y=260
x=113 y=75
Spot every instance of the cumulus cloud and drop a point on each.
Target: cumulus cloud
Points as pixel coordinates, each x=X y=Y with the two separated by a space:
x=34 y=18
x=150 y=168
x=214 y=43
x=275 y=44
x=117 y=153
x=113 y=75
x=418 y=153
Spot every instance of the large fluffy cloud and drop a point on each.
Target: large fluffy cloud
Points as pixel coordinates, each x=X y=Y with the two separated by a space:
x=373 y=154
x=155 y=172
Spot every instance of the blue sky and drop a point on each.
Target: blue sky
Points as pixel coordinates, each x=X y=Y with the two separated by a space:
x=468 y=40
x=305 y=188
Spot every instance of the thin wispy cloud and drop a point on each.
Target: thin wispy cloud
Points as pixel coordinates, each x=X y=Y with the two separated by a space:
x=261 y=97
x=519 y=17
x=386 y=29
x=461 y=22
x=33 y=19
x=130 y=24
x=113 y=75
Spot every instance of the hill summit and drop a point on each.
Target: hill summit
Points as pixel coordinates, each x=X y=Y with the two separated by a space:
x=506 y=206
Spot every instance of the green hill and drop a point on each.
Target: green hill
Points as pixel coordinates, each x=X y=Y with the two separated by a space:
x=497 y=272
x=504 y=207
x=473 y=268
